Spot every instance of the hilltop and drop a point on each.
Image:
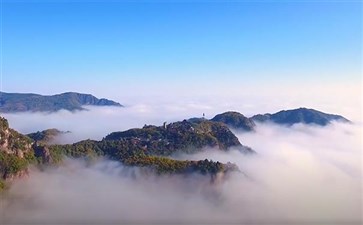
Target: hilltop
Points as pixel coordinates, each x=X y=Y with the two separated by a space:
x=71 y=101
x=235 y=120
x=47 y=136
x=300 y=115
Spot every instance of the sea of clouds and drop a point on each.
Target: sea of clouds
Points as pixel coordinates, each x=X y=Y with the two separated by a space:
x=300 y=174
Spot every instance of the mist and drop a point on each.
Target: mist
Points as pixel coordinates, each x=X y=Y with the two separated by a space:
x=96 y=122
x=300 y=174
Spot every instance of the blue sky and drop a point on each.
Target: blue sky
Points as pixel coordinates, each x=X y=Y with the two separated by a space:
x=116 y=46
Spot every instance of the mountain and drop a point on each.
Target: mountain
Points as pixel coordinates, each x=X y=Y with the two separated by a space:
x=300 y=115
x=151 y=146
x=235 y=120
x=183 y=136
x=178 y=137
x=19 y=102
x=147 y=148
x=46 y=136
x=15 y=153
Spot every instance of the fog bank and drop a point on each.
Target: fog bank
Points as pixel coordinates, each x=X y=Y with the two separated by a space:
x=302 y=174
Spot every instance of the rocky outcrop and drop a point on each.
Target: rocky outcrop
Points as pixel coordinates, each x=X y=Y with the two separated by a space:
x=42 y=152
x=15 y=152
x=11 y=176
x=11 y=141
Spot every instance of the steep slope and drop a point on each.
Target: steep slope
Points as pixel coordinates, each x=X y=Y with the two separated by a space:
x=300 y=115
x=18 y=102
x=15 y=152
x=235 y=120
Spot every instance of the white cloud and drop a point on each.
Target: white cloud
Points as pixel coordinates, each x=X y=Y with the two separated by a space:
x=300 y=174
x=100 y=121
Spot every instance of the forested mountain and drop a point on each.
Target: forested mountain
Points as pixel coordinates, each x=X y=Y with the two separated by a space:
x=148 y=148
x=19 y=102
x=235 y=120
x=300 y=115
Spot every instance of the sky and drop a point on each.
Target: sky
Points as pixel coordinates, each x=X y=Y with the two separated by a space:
x=125 y=49
x=172 y=60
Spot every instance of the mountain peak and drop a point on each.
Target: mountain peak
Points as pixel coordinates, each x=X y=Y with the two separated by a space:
x=299 y=115
x=235 y=120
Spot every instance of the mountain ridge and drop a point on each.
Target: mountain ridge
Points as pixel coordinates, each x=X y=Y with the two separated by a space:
x=299 y=115
x=30 y=102
x=149 y=148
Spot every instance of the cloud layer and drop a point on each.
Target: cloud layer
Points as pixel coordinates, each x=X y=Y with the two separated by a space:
x=302 y=174
x=97 y=122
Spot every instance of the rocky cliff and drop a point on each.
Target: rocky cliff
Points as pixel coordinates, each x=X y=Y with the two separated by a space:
x=16 y=152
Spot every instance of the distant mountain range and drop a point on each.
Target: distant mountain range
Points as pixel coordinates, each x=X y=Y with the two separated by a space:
x=20 y=102
x=300 y=115
x=238 y=121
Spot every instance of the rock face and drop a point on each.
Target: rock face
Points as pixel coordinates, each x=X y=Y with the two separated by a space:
x=235 y=120
x=18 y=102
x=300 y=115
x=15 y=152
x=42 y=152
x=12 y=142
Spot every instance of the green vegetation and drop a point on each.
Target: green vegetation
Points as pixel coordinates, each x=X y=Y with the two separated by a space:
x=152 y=140
x=300 y=115
x=30 y=157
x=148 y=147
x=11 y=164
x=17 y=102
x=182 y=136
x=164 y=165
x=16 y=152
x=45 y=136
x=3 y=185
x=19 y=141
x=4 y=125
x=130 y=155
x=235 y=120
